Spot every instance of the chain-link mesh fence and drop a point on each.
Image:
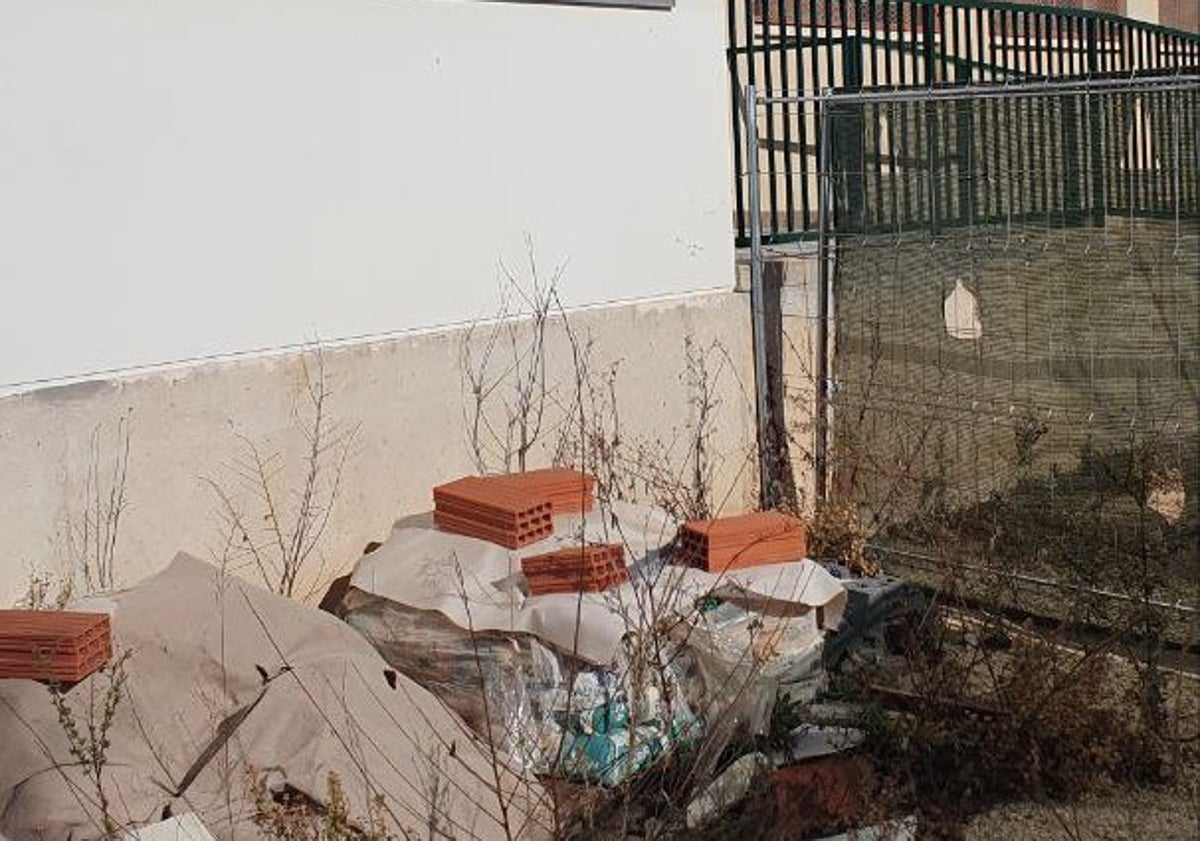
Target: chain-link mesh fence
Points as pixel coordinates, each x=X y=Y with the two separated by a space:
x=1016 y=311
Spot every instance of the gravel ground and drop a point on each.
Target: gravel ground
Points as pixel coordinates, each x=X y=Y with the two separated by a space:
x=1158 y=815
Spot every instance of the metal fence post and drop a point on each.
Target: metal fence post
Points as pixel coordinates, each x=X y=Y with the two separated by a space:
x=758 y=311
x=824 y=208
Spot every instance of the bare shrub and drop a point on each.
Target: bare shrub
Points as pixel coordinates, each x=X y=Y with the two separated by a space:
x=46 y=591
x=92 y=531
x=504 y=371
x=989 y=718
x=676 y=471
x=836 y=533
x=280 y=531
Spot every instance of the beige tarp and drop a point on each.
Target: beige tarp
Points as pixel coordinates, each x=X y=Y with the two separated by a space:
x=199 y=643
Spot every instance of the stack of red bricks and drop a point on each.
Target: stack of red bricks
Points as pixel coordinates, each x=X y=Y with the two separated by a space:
x=569 y=491
x=726 y=543
x=493 y=511
x=513 y=510
x=57 y=646
x=576 y=569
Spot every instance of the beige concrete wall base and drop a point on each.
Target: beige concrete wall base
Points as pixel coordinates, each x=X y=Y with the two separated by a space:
x=407 y=401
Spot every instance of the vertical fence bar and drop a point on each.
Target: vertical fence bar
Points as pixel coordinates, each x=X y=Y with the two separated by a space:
x=940 y=41
x=877 y=167
x=893 y=182
x=921 y=158
x=1074 y=30
x=955 y=48
x=789 y=197
x=964 y=124
x=815 y=61
x=1065 y=54
x=1093 y=56
x=856 y=61
x=769 y=113
x=991 y=122
x=842 y=20
x=928 y=35
x=1073 y=186
x=886 y=24
x=735 y=83
x=1193 y=118
x=900 y=158
x=871 y=12
x=1095 y=122
x=909 y=162
x=1011 y=161
x=983 y=42
x=1107 y=52
x=814 y=36
x=752 y=53
x=1042 y=149
x=829 y=67
x=1026 y=55
x=802 y=88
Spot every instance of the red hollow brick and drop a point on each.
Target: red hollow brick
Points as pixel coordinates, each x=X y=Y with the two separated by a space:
x=53 y=645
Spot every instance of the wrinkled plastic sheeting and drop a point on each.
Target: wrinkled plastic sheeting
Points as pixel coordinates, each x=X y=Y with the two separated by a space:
x=746 y=657
x=547 y=713
x=491 y=679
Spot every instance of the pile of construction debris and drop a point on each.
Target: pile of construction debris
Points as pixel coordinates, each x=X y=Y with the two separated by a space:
x=516 y=633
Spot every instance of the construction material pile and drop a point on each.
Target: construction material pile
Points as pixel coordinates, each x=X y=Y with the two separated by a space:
x=726 y=543
x=55 y=646
x=537 y=642
x=577 y=569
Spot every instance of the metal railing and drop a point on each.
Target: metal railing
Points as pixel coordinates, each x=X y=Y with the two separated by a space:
x=793 y=49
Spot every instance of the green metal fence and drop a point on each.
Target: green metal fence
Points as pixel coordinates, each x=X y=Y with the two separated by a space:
x=793 y=49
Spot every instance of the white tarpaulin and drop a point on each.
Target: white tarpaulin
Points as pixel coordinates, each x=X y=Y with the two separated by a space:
x=478 y=585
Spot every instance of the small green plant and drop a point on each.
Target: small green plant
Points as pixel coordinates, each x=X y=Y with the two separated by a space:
x=88 y=739
x=786 y=716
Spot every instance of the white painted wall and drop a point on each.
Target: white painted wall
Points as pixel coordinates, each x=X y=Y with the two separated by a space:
x=181 y=178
